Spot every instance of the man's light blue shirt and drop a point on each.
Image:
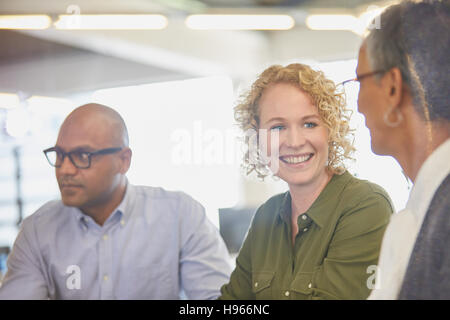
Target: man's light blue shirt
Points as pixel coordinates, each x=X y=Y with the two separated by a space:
x=156 y=244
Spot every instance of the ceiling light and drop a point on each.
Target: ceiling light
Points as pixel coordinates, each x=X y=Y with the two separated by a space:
x=369 y=19
x=35 y=22
x=239 y=22
x=331 y=22
x=111 y=22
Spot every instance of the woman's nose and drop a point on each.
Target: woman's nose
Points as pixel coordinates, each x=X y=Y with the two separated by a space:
x=295 y=138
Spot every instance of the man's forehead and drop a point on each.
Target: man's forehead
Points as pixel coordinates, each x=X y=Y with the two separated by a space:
x=80 y=148
x=89 y=131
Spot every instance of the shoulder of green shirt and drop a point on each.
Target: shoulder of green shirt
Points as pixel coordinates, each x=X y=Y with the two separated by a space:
x=358 y=191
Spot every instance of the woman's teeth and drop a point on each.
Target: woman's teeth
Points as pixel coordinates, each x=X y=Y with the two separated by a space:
x=295 y=160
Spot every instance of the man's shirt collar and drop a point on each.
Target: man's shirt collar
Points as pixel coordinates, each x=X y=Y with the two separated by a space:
x=119 y=215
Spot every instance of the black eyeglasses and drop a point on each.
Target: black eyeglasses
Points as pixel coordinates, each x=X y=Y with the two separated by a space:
x=80 y=159
x=359 y=78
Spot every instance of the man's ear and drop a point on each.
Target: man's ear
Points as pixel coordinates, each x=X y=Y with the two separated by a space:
x=393 y=86
x=125 y=160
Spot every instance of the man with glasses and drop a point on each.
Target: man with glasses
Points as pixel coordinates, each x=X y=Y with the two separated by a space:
x=106 y=238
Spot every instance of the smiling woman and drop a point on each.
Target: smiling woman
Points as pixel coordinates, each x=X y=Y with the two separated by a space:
x=328 y=102
x=303 y=147
x=321 y=239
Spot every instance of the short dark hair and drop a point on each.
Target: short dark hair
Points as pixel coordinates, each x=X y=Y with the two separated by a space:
x=415 y=37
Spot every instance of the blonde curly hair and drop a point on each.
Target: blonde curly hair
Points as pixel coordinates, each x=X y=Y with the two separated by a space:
x=325 y=95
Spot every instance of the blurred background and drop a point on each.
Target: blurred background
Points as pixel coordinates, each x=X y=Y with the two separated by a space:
x=174 y=70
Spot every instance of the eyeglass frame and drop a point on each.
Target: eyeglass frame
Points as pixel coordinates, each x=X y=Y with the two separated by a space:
x=361 y=77
x=69 y=154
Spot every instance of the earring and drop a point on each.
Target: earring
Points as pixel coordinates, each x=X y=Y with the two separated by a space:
x=388 y=122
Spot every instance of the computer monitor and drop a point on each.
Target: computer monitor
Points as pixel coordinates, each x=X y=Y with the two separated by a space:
x=234 y=224
x=4 y=251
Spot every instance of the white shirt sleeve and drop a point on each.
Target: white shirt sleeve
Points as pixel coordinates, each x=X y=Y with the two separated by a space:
x=396 y=248
x=205 y=263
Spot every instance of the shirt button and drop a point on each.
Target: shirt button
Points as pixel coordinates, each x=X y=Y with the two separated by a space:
x=287 y=293
x=122 y=222
x=105 y=237
x=306 y=229
x=105 y=278
x=304 y=217
x=256 y=284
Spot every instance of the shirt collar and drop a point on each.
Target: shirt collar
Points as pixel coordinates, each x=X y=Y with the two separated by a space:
x=316 y=212
x=284 y=210
x=126 y=206
x=430 y=176
x=123 y=210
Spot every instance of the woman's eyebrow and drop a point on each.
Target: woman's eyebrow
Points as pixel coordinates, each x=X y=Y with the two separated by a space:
x=311 y=116
x=281 y=119
x=274 y=119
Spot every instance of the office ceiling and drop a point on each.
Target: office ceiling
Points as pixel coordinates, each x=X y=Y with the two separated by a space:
x=284 y=3
x=62 y=62
x=41 y=67
x=130 y=6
